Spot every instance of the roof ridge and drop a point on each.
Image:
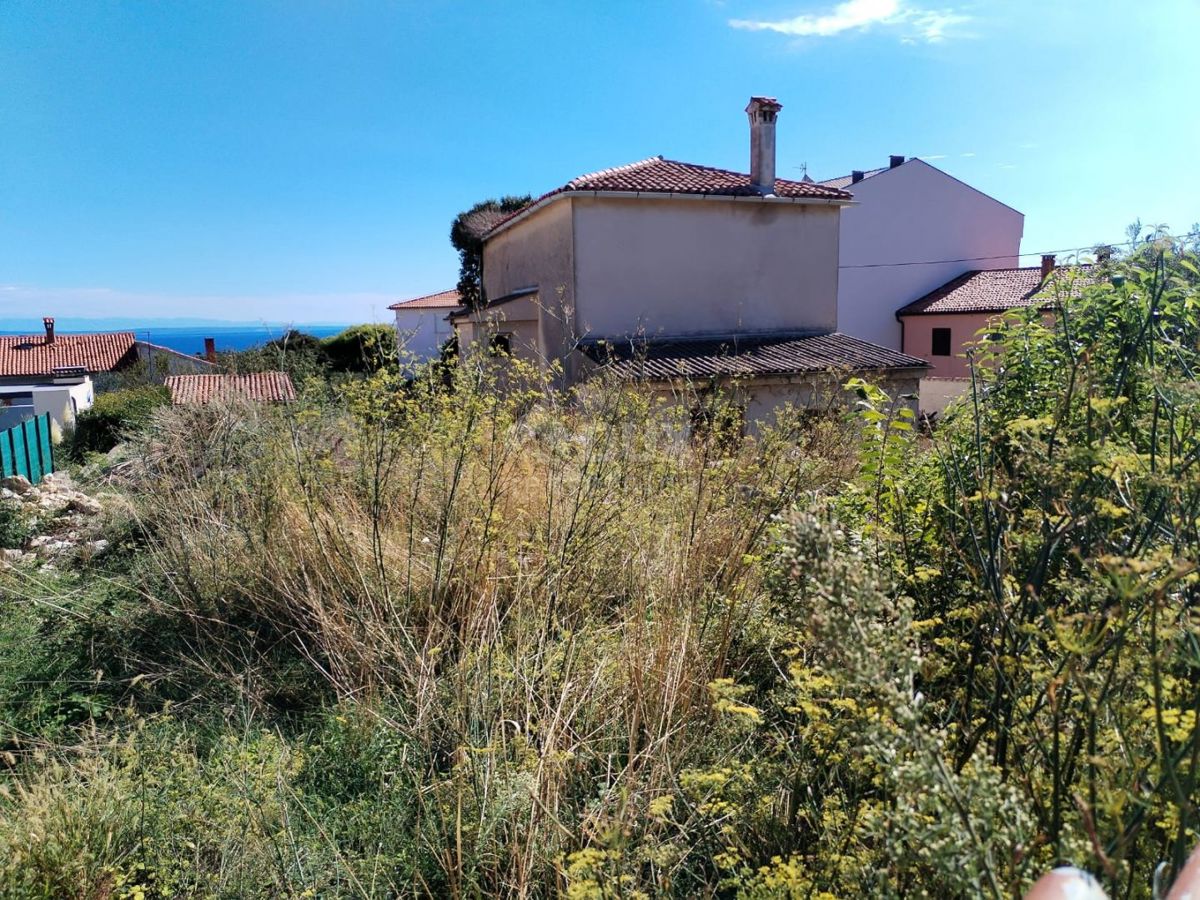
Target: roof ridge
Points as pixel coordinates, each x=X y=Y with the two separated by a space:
x=723 y=171
x=73 y=334
x=611 y=170
x=452 y=290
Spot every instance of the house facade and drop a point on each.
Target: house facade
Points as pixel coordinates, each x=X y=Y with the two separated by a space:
x=911 y=229
x=941 y=326
x=52 y=373
x=422 y=326
x=676 y=262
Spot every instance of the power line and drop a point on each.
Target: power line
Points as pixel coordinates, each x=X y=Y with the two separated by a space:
x=935 y=262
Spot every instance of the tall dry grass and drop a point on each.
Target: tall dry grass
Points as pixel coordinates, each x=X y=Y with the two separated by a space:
x=536 y=595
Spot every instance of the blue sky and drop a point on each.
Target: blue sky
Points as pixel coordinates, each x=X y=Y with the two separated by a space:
x=301 y=161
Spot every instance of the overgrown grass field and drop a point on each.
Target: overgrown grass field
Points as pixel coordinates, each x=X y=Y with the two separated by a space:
x=439 y=638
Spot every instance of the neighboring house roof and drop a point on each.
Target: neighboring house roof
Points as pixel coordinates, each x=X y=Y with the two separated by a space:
x=995 y=290
x=270 y=387
x=667 y=176
x=844 y=181
x=442 y=300
x=757 y=355
x=34 y=356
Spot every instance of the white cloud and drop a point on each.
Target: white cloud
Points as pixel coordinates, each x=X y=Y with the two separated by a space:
x=966 y=154
x=911 y=22
x=932 y=24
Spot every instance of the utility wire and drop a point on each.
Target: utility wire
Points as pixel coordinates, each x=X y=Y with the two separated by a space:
x=1088 y=248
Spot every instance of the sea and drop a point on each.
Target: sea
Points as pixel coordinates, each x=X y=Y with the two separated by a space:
x=190 y=339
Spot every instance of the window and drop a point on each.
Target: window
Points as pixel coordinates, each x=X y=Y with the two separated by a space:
x=500 y=344
x=941 y=342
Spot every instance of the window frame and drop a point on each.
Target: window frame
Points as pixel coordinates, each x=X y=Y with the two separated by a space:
x=945 y=334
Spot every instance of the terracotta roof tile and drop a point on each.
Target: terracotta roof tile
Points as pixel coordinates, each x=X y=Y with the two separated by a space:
x=667 y=176
x=995 y=290
x=758 y=355
x=271 y=387
x=32 y=356
x=442 y=300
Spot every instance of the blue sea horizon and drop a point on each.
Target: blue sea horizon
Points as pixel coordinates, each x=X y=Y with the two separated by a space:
x=190 y=339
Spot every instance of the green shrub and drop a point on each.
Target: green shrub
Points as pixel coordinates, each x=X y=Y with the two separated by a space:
x=299 y=354
x=112 y=417
x=14 y=526
x=362 y=348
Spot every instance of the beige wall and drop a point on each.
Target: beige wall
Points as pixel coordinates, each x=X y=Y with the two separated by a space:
x=938 y=393
x=765 y=397
x=703 y=266
x=518 y=318
x=537 y=252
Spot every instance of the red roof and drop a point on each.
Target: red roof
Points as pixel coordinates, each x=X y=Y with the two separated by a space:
x=667 y=176
x=33 y=356
x=269 y=387
x=430 y=301
x=751 y=355
x=995 y=290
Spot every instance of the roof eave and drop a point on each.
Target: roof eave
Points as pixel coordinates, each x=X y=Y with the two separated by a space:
x=663 y=195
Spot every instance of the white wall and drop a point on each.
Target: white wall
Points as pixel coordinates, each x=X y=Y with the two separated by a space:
x=422 y=332
x=61 y=401
x=915 y=213
x=660 y=266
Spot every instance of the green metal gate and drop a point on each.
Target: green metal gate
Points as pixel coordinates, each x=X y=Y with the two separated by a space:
x=25 y=449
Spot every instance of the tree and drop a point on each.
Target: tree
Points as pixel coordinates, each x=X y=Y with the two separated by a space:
x=466 y=234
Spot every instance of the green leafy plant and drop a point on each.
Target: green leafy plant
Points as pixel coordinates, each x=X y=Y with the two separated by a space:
x=113 y=416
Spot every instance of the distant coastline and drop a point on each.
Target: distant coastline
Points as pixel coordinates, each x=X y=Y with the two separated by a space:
x=184 y=338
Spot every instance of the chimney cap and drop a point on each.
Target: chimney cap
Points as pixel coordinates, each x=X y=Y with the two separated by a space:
x=765 y=103
x=856 y=176
x=894 y=161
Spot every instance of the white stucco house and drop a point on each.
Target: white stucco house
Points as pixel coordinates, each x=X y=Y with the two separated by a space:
x=911 y=229
x=422 y=328
x=665 y=271
x=53 y=373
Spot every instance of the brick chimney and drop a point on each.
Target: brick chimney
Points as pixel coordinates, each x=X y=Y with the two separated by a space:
x=762 y=112
x=48 y=323
x=1047 y=265
x=894 y=161
x=210 y=350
